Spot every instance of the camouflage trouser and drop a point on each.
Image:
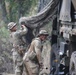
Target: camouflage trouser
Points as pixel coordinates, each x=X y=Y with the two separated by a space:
x=31 y=67
x=18 y=63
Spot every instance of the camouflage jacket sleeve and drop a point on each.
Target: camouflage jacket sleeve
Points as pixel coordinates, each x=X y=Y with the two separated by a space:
x=22 y=32
x=37 y=47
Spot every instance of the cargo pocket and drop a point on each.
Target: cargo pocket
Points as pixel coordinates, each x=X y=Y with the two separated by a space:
x=35 y=70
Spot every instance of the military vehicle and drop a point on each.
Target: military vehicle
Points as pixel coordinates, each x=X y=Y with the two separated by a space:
x=62 y=13
x=64 y=35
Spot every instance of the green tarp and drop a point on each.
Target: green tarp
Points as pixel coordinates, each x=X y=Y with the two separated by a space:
x=45 y=15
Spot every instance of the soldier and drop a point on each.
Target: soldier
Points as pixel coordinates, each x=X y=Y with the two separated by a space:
x=29 y=35
x=18 y=46
x=33 y=58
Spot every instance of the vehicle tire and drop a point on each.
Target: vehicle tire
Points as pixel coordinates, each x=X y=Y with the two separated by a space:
x=72 y=69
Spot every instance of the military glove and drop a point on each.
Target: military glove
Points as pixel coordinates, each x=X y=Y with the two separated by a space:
x=23 y=26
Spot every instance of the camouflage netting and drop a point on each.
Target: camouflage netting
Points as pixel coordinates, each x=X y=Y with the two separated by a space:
x=45 y=15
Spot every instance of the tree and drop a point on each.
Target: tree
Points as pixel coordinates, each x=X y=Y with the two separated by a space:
x=23 y=7
x=4 y=12
x=42 y=4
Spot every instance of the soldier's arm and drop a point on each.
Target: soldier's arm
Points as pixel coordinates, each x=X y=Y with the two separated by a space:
x=38 y=51
x=23 y=31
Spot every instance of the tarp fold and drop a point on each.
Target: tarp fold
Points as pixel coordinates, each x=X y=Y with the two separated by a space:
x=45 y=15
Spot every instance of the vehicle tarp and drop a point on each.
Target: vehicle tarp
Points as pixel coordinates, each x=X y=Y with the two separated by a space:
x=43 y=17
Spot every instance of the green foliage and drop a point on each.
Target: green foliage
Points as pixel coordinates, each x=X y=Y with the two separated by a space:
x=33 y=9
x=18 y=8
x=4 y=32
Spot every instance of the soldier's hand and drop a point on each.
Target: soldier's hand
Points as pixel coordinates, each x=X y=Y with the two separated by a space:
x=23 y=26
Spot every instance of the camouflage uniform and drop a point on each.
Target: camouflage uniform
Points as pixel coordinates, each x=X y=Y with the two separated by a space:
x=33 y=60
x=33 y=65
x=16 y=39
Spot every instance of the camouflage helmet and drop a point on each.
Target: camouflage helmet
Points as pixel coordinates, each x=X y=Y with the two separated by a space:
x=11 y=25
x=43 y=32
